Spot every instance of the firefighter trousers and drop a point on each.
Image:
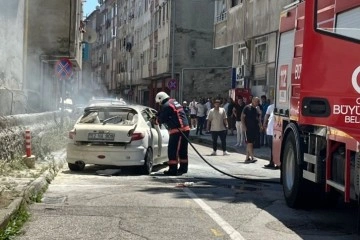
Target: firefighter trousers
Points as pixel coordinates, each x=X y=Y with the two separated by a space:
x=178 y=151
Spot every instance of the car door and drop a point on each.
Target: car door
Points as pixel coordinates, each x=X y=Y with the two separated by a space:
x=163 y=140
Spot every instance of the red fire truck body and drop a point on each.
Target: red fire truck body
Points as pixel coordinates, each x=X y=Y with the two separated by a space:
x=317 y=105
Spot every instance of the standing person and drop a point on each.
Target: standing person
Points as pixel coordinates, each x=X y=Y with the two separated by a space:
x=186 y=110
x=209 y=106
x=201 y=116
x=264 y=105
x=217 y=118
x=231 y=116
x=173 y=116
x=193 y=112
x=251 y=126
x=258 y=133
x=238 y=108
x=269 y=126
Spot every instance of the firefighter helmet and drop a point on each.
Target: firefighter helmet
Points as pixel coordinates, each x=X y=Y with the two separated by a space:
x=161 y=96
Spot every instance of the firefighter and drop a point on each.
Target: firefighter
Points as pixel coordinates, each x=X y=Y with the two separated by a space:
x=173 y=116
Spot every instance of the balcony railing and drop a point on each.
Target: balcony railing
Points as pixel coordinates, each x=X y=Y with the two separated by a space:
x=221 y=17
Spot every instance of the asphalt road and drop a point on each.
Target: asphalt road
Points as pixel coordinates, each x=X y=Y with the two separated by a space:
x=130 y=206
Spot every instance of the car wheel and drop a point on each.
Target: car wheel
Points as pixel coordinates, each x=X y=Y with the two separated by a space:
x=78 y=166
x=293 y=183
x=149 y=161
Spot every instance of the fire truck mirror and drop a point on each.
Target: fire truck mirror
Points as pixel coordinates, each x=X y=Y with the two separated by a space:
x=315 y=107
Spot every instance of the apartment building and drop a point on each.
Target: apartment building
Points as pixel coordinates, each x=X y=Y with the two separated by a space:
x=159 y=45
x=251 y=28
x=31 y=43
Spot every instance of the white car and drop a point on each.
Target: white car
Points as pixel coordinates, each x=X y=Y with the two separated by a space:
x=117 y=134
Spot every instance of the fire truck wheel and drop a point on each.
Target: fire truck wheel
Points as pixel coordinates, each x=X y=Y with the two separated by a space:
x=293 y=183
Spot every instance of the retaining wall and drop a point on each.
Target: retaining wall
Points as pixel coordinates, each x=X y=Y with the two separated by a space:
x=42 y=126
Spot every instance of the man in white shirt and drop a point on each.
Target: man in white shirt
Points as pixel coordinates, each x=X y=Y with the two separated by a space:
x=217 y=124
x=193 y=111
x=269 y=126
x=201 y=116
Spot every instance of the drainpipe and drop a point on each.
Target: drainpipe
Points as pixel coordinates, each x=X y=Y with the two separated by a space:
x=181 y=90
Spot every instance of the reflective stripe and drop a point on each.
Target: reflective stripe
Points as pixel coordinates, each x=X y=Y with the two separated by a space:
x=184 y=160
x=173 y=162
x=175 y=130
x=178 y=147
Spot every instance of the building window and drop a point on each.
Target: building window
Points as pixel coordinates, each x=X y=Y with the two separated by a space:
x=113 y=31
x=167 y=11
x=261 y=49
x=221 y=12
x=234 y=3
x=242 y=55
x=163 y=48
x=159 y=50
x=159 y=17
x=163 y=16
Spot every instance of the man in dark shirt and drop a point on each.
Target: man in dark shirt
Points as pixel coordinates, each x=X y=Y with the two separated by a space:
x=237 y=110
x=251 y=126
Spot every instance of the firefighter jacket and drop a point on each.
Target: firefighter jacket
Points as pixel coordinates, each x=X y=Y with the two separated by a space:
x=173 y=116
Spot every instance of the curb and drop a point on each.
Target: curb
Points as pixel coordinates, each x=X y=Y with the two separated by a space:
x=208 y=142
x=34 y=188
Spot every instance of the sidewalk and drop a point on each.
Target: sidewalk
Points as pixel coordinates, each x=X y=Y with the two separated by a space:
x=262 y=152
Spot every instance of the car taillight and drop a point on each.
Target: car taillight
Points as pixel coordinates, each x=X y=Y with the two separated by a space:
x=72 y=134
x=137 y=136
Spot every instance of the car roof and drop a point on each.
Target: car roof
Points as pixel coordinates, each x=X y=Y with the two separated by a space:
x=115 y=105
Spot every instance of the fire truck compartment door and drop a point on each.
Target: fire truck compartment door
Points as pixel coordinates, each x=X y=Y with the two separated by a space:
x=286 y=54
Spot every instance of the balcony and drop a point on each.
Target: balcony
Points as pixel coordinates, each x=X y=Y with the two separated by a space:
x=221 y=17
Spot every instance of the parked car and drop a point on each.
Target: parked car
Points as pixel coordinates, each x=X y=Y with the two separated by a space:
x=117 y=135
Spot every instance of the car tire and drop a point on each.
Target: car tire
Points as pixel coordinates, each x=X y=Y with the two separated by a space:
x=77 y=167
x=149 y=162
x=293 y=183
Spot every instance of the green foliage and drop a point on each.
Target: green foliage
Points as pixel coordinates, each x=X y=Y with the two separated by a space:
x=14 y=226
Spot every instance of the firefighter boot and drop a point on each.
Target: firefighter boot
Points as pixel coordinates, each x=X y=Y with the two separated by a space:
x=172 y=171
x=183 y=168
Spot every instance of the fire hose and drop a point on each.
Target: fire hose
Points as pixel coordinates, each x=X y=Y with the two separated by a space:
x=215 y=168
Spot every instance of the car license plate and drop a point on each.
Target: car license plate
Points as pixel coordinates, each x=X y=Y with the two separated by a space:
x=101 y=136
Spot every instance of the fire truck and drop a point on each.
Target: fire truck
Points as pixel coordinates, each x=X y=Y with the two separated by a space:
x=317 y=104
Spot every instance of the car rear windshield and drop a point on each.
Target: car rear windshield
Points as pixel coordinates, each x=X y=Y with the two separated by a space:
x=123 y=116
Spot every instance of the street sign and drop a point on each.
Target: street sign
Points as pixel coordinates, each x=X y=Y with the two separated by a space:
x=63 y=69
x=172 y=84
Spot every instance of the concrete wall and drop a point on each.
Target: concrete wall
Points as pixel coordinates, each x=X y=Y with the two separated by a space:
x=194 y=49
x=194 y=36
x=33 y=35
x=248 y=20
x=12 y=132
x=51 y=35
x=12 y=56
x=206 y=83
